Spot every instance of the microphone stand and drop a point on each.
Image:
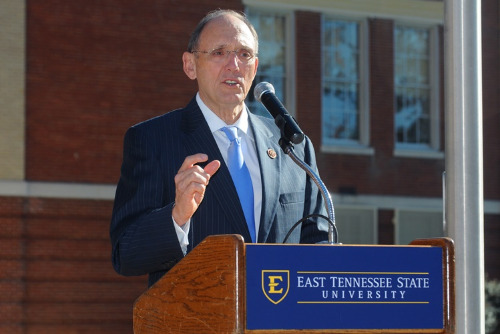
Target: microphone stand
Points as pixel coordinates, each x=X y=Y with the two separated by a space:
x=287 y=147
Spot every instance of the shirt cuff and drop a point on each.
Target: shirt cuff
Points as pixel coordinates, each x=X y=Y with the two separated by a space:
x=182 y=234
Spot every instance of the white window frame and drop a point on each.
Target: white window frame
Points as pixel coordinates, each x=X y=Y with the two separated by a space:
x=370 y=210
x=288 y=14
x=362 y=145
x=398 y=230
x=433 y=149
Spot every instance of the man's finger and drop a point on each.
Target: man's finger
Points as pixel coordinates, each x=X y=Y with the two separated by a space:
x=212 y=167
x=192 y=160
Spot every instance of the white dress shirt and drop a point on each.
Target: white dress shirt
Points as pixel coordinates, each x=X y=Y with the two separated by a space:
x=249 y=154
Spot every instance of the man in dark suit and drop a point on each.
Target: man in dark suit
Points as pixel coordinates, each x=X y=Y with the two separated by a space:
x=176 y=188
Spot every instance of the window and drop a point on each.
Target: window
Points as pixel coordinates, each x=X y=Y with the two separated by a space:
x=415 y=76
x=413 y=225
x=273 y=57
x=344 y=109
x=356 y=225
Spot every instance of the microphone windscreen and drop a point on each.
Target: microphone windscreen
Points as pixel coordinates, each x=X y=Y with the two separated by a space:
x=261 y=88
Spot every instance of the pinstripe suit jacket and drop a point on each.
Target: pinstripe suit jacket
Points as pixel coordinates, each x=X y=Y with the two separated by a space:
x=142 y=231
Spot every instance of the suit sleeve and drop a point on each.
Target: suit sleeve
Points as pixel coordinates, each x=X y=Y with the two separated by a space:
x=142 y=233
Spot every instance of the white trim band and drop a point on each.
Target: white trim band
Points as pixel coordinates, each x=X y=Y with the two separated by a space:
x=57 y=190
x=107 y=192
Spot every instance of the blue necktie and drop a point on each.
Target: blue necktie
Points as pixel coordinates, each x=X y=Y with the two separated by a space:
x=241 y=176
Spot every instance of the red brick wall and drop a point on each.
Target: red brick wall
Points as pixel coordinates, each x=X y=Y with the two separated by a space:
x=308 y=74
x=94 y=69
x=491 y=99
x=12 y=269
x=56 y=274
x=492 y=245
x=491 y=139
x=386 y=227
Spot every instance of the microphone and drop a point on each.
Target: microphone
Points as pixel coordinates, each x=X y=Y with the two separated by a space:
x=290 y=132
x=264 y=93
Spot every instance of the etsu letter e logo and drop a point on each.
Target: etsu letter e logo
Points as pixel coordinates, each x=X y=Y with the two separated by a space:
x=272 y=284
x=275 y=284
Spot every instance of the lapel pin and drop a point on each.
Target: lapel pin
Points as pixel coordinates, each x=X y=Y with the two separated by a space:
x=271 y=153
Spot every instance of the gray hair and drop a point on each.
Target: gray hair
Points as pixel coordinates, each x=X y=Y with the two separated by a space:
x=195 y=36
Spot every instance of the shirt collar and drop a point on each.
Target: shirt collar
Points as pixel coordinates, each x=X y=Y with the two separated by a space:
x=214 y=121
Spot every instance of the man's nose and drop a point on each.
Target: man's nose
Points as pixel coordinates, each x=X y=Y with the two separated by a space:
x=232 y=59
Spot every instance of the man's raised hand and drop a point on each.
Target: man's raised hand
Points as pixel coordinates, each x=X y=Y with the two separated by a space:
x=190 y=185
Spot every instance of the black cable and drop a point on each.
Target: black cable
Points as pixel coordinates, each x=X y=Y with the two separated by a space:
x=304 y=219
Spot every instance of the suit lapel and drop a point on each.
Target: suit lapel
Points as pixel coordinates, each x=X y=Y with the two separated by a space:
x=199 y=139
x=269 y=170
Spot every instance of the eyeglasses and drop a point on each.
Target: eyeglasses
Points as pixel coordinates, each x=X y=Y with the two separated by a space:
x=221 y=54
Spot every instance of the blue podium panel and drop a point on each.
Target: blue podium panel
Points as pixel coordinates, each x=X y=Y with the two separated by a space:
x=343 y=287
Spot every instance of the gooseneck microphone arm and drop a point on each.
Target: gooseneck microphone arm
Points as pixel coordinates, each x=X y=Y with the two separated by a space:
x=291 y=133
x=332 y=228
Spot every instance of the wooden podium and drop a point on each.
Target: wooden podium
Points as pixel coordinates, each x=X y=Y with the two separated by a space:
x=206 y=293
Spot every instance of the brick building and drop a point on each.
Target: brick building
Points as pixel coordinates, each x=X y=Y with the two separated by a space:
x=364 y=80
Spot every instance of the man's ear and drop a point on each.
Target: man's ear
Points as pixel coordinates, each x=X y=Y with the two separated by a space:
x=256 y=66
x=189 y=65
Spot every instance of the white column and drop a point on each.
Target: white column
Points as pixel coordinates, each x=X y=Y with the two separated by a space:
x=12 y=89
x=464 y=158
